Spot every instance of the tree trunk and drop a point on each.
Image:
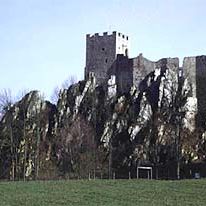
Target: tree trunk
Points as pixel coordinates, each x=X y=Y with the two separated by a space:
x=156 y=172
x=110 y=160
x=25 y=149
x=37 y=154
x=178 y=150
x=25 y=158
x=12 y=153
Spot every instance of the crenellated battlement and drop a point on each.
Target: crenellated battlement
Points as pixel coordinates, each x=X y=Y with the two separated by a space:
x=104 y=34
x=120 y=35
x=107 y=34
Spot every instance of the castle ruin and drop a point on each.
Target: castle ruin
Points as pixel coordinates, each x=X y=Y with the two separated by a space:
x=108 y=55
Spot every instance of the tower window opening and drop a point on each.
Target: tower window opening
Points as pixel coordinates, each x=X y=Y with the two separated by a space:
x=106 y=60
x=103 y=49
x=126 y=52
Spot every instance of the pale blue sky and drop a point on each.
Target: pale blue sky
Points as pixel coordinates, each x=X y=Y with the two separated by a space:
x=42 y=42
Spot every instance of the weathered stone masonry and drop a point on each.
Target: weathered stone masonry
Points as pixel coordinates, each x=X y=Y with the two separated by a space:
x=107 y=55
x=131 y=71
x=194 y=68
x=101 y=53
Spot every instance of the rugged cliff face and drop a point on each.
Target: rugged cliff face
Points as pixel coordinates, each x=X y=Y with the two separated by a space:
x=26 y=134
x=95 y=131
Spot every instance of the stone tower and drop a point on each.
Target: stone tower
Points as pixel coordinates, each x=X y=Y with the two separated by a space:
x=101 y=53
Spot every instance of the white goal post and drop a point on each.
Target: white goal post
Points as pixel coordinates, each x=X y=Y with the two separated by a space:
x=148 y=169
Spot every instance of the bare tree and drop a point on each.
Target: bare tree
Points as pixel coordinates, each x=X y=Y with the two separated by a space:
x=20 y=94
x=75 y=147
x=55 y=95
x=69 y=81
x=38 y=137
x=6 y=101
x=65 y=85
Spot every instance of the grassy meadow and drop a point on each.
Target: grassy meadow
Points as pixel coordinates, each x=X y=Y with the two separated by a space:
x=103 y=192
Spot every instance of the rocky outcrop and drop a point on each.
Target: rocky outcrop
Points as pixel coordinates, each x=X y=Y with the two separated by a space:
x=93 y=128
x=26 y=133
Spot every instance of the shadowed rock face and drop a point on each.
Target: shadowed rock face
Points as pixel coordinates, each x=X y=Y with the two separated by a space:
x=26 y=133
x=41 y=140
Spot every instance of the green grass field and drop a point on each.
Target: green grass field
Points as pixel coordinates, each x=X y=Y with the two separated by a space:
x=103 y=192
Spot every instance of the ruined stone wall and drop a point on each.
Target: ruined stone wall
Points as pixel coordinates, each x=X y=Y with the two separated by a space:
x=141 y=67
x=201 y=90
x=170 y=63
x=189 y=72
x=124 y=73
x=131 y=71
x=194 y=69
